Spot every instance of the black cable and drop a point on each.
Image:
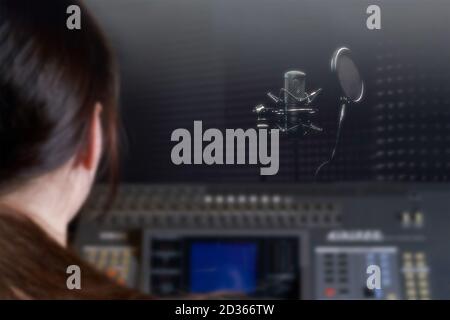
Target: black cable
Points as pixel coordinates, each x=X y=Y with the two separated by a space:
x=338 y=134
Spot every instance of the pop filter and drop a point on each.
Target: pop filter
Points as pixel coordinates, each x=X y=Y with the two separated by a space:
x=347 y=74
x=352 y=86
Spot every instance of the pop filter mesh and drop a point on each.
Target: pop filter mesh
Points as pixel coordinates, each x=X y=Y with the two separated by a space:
x=349 y=78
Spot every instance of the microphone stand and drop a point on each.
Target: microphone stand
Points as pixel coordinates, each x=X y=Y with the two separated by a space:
x=344 y=103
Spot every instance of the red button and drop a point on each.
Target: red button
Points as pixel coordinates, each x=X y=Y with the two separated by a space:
x=330 y=292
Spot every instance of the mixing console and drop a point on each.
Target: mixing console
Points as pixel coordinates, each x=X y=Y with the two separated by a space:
x=287 y=242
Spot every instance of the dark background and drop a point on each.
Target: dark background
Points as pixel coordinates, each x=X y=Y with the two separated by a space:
x=214 y=60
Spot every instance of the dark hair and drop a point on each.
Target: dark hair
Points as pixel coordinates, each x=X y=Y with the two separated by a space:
x=50 y=80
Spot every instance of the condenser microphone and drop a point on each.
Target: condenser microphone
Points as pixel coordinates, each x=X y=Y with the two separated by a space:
x=294 y=92
x=294 y=87
x=293 y=106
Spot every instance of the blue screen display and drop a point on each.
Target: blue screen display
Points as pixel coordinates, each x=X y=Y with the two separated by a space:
x=228 y=266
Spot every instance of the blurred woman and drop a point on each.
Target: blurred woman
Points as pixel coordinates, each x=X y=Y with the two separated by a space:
x=58 y=116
